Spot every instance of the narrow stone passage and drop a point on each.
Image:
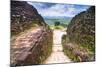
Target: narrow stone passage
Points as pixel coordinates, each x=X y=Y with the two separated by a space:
x=57 y=55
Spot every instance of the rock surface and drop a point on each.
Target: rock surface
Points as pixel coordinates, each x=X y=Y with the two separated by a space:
x=81 y=30
x=33 y=46
x=23 y=16
x=79 y=43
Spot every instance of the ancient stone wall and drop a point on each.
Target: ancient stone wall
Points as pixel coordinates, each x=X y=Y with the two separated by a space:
x=38 y=49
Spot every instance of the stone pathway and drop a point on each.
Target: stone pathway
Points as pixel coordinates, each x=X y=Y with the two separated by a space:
x=57 y=55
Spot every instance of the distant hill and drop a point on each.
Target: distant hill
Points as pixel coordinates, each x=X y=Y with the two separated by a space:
x=51 y=20
x=56 y=17
x=81 y=29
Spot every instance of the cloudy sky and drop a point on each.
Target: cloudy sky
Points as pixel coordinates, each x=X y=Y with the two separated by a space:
x=52 y=9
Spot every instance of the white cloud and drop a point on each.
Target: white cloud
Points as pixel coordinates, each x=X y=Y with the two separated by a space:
x=57 y=9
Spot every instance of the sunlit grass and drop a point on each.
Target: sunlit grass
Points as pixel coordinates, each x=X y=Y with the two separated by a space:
x=59 y=27
x=71 y=51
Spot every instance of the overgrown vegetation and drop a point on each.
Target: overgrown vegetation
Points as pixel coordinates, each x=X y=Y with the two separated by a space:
x=81 y=30
x=32 y=25
x=47 y=48
x=67 y=52
x=79 y=44
x=76 y=52
x=58 y=25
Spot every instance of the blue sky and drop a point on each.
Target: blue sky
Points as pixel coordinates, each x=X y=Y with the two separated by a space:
x=54 y=10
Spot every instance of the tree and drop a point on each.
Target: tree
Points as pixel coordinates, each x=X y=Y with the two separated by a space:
x=57 y=23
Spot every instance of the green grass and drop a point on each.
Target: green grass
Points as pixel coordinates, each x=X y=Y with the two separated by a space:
x=67 y=52
x=70 y=55
x=61 y=20
x=77 y=47
x=56 y=27
x=25 y=27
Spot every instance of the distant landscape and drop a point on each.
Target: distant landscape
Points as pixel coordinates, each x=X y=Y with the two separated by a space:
x=62 y=20
x=49 y=33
